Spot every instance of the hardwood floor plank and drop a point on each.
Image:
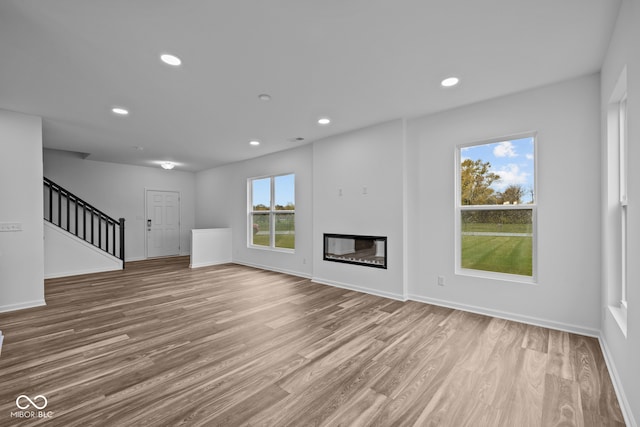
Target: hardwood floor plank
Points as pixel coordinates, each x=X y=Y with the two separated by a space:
x=241 y=412
x=561 y=406
x=447 y=407
x=560 y=361
x=596 y=390
x=524 y=407
x=536 y=338
x=501 y=370
x=359 y=411
x=160 y=344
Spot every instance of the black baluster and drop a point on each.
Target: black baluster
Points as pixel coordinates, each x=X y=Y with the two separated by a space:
x=122 y=241
x=50 y=203
x=93 y=221
x=59 y=207
x=76 y=224
x=68 y=227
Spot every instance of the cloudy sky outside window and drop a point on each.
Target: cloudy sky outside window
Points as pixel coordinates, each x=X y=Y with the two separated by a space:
x=511 y=160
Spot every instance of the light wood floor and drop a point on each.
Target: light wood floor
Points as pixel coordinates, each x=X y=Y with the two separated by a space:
x=162 y=345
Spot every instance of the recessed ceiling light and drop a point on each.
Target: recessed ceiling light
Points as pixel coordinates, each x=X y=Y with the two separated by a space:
x=264 y=97
x=170 y=59
x=450 y=81
x=167 y=165
x=254 y=143
x=324 y=120
x=120 y=111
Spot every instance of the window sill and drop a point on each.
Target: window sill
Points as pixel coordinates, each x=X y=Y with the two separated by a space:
x=270 y=249
x=505 y=277
x=620 y=315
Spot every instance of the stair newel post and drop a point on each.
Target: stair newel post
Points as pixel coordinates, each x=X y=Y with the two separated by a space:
x=122 y=241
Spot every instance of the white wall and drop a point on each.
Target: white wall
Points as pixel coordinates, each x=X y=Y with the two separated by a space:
x=210 y=246
x=623 y=351
x=222 y=202
x=21 y=252
x=68 y=255
x=565 y=115
x=342 y=167
x=119 y=191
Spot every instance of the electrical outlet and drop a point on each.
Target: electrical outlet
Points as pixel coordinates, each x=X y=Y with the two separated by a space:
x=440 y=280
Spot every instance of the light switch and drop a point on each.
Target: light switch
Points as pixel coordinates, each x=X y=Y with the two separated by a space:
x=10 y=226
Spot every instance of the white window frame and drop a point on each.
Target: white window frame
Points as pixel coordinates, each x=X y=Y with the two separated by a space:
x=272 y=212
x=459 y=208
x=623 y=183
x=615 y=257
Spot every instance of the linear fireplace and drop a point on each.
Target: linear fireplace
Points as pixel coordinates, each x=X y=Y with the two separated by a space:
x=370 y=251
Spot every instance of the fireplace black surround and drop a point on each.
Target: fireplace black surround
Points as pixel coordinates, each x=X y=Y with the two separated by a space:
x=370 y=251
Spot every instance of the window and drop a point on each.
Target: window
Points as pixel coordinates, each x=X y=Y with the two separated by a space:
x=615 y=237
x=496 y=208
x=622 y=166
x=272 y=212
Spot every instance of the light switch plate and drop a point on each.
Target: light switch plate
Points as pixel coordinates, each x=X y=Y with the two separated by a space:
x=10 y=226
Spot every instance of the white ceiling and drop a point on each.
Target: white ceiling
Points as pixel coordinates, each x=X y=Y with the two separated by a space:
x=359 y=62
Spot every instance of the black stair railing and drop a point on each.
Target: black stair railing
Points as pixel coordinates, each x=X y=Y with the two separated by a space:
x=69 y=212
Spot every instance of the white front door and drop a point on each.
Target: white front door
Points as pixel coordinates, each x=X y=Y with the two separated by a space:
x=163 y=223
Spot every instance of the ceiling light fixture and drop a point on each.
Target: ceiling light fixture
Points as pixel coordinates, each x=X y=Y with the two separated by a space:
x=450 y=81
x=167 y=165
x=120 y=111
x=264 y=97
x=324 y=120
x=255 y=143
x=170 y=59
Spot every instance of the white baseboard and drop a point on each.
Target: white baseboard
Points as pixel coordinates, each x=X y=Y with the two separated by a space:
x=210 y=263
x=580 y=330
x=625 y=407
x=21 y=306
x=277 y=270
x=350 y=287
x=81 y=272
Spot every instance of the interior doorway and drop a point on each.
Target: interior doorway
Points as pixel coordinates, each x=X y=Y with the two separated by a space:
x=162 y=223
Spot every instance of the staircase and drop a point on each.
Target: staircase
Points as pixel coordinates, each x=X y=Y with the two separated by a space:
x=79 y=218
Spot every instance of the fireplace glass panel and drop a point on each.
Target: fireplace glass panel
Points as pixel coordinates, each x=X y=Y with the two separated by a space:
x=370 y=251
